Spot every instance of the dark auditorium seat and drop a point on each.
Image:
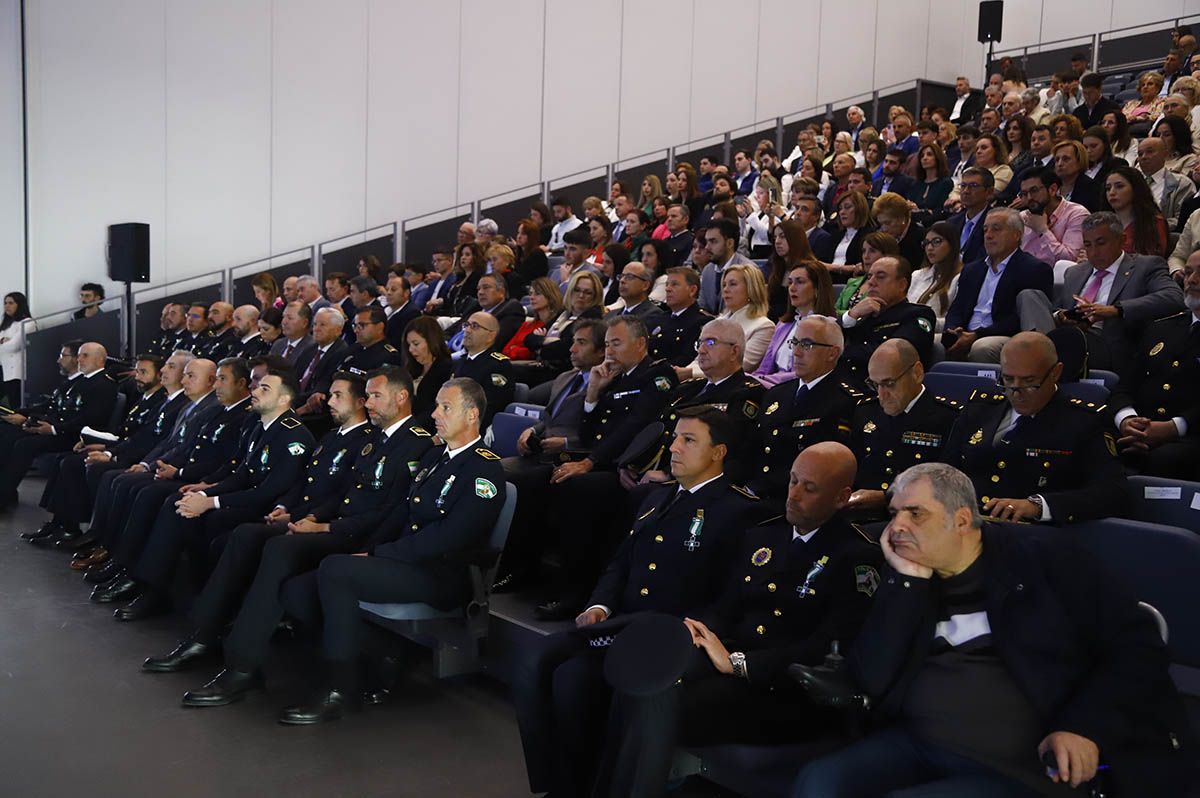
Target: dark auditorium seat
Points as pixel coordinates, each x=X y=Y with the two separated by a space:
x=1158 y=500
x=506 y=428
x=958 y=387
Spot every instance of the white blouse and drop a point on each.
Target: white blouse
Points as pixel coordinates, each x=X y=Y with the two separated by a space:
x=839 y=254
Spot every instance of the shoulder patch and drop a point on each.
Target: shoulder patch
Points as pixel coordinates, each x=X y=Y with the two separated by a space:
x=499 y=356
x=419 y=432
x=745 y=492
x=487 y=454
x=983 y=396
x=290 y=423
x=662 y=383
x=749 y=409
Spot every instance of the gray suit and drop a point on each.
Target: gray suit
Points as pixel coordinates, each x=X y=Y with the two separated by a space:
x=710 y=283
x=1176 y=191
x=318 y=303
x=1141 y=285
x=565 y=420
x=303 y=347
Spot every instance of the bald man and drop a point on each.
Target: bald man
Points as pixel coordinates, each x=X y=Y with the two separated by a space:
x=220 y=327
x=248 y=343
x=483 y=362
x=88 y=401
x=1033 y=454
x=799 y=582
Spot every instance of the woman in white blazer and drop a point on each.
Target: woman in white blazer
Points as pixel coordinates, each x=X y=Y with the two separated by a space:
x=12 y=346
x=744 y=292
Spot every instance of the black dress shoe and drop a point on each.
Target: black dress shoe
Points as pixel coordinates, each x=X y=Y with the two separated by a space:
x=329 y=705
x=100 y=574
x=228 y=686
x=74 y=540
x=181 y=658
x=49 y=540
x=48 y=529
x=120 y=588
x=557 y=610
x=147 y=605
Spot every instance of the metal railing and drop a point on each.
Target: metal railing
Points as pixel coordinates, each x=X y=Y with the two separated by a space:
x=348 y=241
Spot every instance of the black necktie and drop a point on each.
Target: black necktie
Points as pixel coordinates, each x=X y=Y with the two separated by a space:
x=801 y=395
x=1021 y=424
x=704 y=391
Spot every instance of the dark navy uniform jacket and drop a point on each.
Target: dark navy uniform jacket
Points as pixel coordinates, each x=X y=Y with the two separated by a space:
x=379 y=482
x=886 y=446
x=326 y=478
x=273 y=461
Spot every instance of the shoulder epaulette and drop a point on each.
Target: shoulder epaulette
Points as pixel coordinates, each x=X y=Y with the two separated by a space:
x=744 y=492
x=862 y=533
x=1089 y=406
x=289 y=422
x=419 y=432
x=852 y=391
x=942 y=400
x=389 y=347
x=769 y=521
x=984 y=396
x=693 y=379
x=487 y=454
x=1173 y=316
x=499 y=356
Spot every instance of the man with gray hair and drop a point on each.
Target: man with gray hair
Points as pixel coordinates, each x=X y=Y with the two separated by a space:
x=972 y=706
x=1110 y=296
x=1031 y=104
x=310 y=294
x=485 y=231
x=984 y=313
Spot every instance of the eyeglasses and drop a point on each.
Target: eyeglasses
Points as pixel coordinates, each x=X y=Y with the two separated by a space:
x=1023 y=193
x=709 y=343
x=889 y=384
x=807 y=344
x=933 y=242
x=1005 y=383
x=969 y=186
x=626 y=276
x=474 y=325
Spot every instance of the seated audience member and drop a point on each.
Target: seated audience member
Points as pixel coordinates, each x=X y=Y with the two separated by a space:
x=899 y=427
x=1053 y=225
x=1158 y=422
x=1066 y=127
x=721 y=238
x=1176 y=135
x=1100 y=157
x=482 y=362
x=576 y=245
x=933 y=185
x=470 y=266
x=977 y=190
x=612 y=262
x=1147 y=106
x=892 y=215
x=1041 y=147
x=492 y=298
x=1128 y=196
x=270 y=327
x=1034 y=110
x=906 y=138
x=1058 y=454
x=673 y=334
x=531 y=260
x=545 y=303
x=364 y=290
x=891 y=178
x=372 y=349
x=884 y=313
x=316 y=368
x=296 y=340
x=760 y=224
x=398 y=307
x=984 y=314
x=565 y=221
x=637 y=230
x=935 y=282
x=266 y=292
x=599 y=230
x=975 y=710
x=485 y=233
x=679 y=240
x=853 y=223
x=1070 y=161
x=964 y=148
x=655 y=256
x=85 y=400
x=337 y=289
x=927 y=135
x=539 y=449
x=370 y=266
x=634 y=284
x=1123 y=144
x=815 y=406
x=221 y=335
x=12 y=343
x=1168 y=189
x=247 y=340
x=584 y=299
x=808 y=213
x=809 y=291
x=1110 y=296
x=989 y=119
x=735 y=688
x=427 y=360
x=790 y=249
x=744 y=297
x=841 y=167
x=91 y=297
x=1095 y=105
x=440 y=280
x=966 y=102
x=309 y=291
x=559 y=690
x=875 y=246
x=744 y=172
x=172 y=321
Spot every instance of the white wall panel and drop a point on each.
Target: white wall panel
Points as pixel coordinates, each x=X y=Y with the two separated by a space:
x=847 y=49
x=1125 y=13
x=1022 y=21
x=787 y=59
x=582 y=90
x=412 y=108
x=12 y=171
x=723 y=66
x=1066 y=20
x=500 y=123
x=319 y=121
x=218 y=126
x=96 y=137
x=906 y=27
x=653 y=116
x=946 y=49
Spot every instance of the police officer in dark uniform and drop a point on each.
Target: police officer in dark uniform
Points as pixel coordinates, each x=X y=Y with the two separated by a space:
x=482 y=362
x=354 y=484
x=372 y=350
x=13 y=426
x=275 y=454
x=87 y=402
x=248 y=343
x=171 y=324
x=800 y=583
x=673 y=334
x=216 y=445
x=66 y=486
x=885 y=313
x=223 y=338
x=904 y=424
x=195 y=335
x=1033 y=454
x=674 y=560
x=1157 y=410
x=454 y=501
x=818 y=406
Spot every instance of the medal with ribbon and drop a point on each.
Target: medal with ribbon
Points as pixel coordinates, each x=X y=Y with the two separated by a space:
x=377 y=482
x=805 y=589
x=693 y=541
x=441 y=499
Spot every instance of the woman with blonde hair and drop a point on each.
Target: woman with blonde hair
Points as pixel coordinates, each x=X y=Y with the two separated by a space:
x=1148 y=105
x=651 y=190
x=744 y=292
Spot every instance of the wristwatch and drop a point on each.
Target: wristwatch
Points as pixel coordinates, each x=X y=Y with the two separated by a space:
x=738 y=660
x=1039 y=503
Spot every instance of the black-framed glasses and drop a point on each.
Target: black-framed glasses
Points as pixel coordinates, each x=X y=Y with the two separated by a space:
x=474 y=325
x=709 y=343
x=890 y=383
x=969 y=186
x=933 y=242
x=807 y=344
x=1006 y=384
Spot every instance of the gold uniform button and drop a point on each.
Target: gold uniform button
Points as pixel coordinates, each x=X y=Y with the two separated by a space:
x=652 y=566
x=888 y=453
x=416 y=499
x=306 y=498
x=985 y=499
x=1001 y=464
x=778 y=613
x=645 y=591
x=884 y=486
x=767 y=449
x=747 y=577
x=1046 y=464
x=774 y=432
x=415 y=527
x=1166 y=386
x=658 y=538
x=917 y=456
x=597 y=437
x=761 y=629
x=770 y=585
x=766 y=469
x=995 y=477
x=358 y=486
x=310 y=479
x=345 y=501
x=1162 y=411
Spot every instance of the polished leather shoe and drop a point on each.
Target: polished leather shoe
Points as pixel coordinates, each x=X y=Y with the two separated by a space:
x=225 y=688
x=49 y=540
x=120 y=588
x=558 y=610
x=181 y=658
x=147 y=605
x=100 y=574
x=48 y=529
x=85 y=560
x=330 y=705
x=74 y=540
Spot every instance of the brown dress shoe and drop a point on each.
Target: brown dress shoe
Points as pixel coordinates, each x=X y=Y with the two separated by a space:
x=98 y=555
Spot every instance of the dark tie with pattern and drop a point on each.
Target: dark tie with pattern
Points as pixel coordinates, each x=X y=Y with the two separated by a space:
x=311 y=370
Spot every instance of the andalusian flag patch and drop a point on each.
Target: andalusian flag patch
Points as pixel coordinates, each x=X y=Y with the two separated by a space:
x=296 y=448
x=484 y=489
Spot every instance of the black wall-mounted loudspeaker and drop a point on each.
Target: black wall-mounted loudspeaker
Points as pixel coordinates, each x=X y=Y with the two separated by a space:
x=991 y=20
x=129 y=252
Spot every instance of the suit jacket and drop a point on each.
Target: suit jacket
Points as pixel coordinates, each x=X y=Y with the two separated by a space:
x=431 y=383
x=900 y=185
x=322 y=376
x=1086 y=193
x=821 y=244
x=320 y=302
x=184 y=430
x=274 y=461
x=908 y=320
x=970 y=108
x=973 y=249
x=1023 y=271
x=1177 y=190
x=134 y=448
x=563 y=421
x=304 y=346
x=1168 y=356
x=420 y=295
x=673 y=338
x=644 y=310
x=1096 y=115
x=394 y=329
x=710 y=283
